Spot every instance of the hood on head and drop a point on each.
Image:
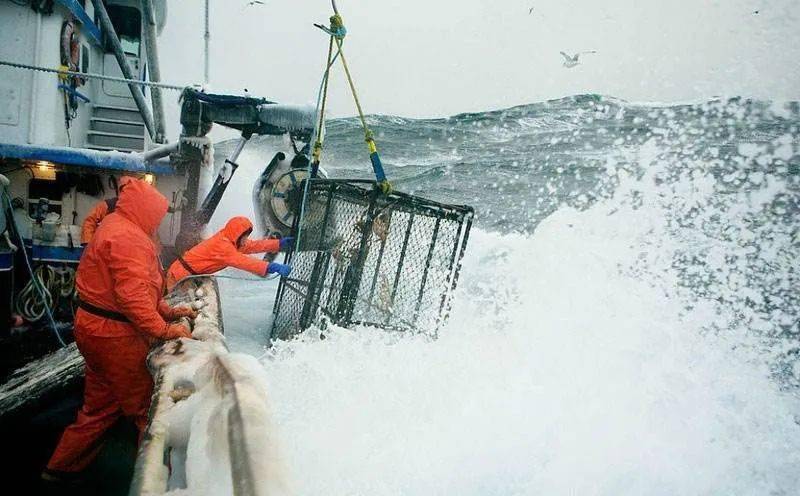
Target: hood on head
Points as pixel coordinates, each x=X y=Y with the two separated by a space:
x=236 y=227
x=142 y=204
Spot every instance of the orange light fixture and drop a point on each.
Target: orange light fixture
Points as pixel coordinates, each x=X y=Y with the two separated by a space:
x=43 y=169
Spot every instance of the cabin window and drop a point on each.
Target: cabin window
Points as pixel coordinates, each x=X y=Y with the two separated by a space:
x=52 y=191
x=127 y=23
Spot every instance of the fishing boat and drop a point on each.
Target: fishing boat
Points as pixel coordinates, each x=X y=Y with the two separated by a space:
x=82 y=104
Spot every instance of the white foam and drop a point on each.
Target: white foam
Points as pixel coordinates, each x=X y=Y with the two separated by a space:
x=575 y=362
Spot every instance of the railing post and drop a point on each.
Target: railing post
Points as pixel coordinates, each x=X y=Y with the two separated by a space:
x=151 y=44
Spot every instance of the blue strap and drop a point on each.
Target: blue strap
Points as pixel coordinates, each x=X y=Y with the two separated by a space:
x=377 y=166
x=339 y=32
x=72 y=91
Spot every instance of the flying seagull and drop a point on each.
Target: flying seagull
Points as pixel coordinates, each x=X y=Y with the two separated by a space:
x=573 y=61
x=255 y=2
x=530 y=11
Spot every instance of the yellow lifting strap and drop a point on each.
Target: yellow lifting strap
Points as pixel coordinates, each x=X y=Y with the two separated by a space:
x=337 y=33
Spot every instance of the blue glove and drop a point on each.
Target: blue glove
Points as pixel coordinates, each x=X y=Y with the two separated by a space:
x=279 y=268
x=287 y=243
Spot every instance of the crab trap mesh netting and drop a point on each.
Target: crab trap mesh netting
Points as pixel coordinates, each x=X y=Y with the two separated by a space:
x=390 y=261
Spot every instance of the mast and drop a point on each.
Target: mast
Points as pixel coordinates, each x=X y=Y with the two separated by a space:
x=207 y=37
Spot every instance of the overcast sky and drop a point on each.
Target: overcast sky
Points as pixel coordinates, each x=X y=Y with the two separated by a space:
x=422 y=58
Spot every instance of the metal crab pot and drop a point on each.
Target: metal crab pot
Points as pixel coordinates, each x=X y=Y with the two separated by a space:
x=365 y=258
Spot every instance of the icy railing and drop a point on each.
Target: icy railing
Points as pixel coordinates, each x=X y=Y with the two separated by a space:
x=209 y=430
x=32 y=385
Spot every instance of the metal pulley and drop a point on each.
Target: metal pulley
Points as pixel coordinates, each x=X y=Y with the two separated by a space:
x=277 y=195
x=286 y=194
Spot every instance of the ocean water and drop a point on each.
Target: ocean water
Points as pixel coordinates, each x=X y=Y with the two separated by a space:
x=627 y=320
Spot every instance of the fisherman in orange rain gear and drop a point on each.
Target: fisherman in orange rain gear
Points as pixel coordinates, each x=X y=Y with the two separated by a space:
x=121 y=311
x=229 y=248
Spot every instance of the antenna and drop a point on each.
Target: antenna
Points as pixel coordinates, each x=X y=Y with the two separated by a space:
x=207 y=37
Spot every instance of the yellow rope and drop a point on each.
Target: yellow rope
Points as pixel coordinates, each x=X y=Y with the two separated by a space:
x=337 y=33
x=336 y=23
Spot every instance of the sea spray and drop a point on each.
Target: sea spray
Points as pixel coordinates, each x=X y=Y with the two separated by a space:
x=625 y=322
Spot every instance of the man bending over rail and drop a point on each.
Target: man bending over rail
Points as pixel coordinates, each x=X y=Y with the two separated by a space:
x=229 y=248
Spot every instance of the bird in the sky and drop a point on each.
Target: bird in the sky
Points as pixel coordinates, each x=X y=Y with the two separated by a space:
x=530 y=11
x=255 y=2
x=573 y=61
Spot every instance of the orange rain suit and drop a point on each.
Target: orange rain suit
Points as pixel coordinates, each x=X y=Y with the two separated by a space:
x=119 y=273
x=222 y=250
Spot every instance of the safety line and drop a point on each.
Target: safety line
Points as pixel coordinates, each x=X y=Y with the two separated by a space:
x=221 y=276
x=94 y=76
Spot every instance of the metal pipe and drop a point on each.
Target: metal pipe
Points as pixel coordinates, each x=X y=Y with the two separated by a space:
x=409 y=228
x=321 y=260
x=160 y=152
x=427 y=268
x=136 y=92
x=238 y=150
x=212 y=199
x=466 y=228
x=34 y=81
x=151 y=44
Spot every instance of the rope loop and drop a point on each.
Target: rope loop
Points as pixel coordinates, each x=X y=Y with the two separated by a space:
x=337 y=29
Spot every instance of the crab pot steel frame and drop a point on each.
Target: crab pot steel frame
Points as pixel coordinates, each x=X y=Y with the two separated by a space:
x=389 y=261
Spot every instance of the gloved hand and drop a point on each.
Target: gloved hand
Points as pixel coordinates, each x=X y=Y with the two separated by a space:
x=279 y=268
x=178 y=312
x=175 y=331
x=287 y=243
x=174 y=313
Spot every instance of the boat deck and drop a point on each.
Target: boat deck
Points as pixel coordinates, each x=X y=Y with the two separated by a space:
x=33 y=439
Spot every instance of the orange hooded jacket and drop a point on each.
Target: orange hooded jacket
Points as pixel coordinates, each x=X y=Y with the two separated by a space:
x=222 y=250
x=120 y=270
